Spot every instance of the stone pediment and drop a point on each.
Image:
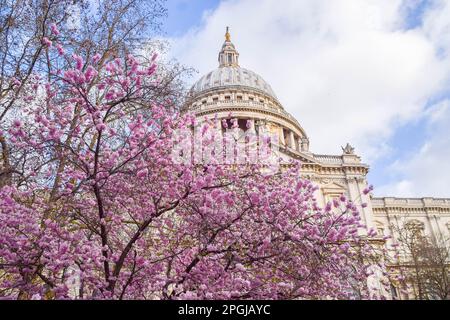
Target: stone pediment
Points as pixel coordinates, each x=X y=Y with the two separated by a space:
x=332 y=189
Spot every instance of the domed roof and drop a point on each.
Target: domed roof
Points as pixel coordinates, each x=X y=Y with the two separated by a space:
x=228 y=76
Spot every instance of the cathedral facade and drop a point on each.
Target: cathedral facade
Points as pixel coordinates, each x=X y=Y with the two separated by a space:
x=232 y=89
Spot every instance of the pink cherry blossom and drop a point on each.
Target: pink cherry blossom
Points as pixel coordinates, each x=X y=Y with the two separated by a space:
x=54 y=29
x=96 y=58
x=79 y=62
x=46 y=42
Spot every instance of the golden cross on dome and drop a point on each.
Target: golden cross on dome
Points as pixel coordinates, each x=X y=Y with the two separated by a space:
x=227 y=35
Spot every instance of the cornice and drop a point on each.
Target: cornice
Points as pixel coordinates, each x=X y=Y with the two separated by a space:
x=414 y=206
x=282 y=114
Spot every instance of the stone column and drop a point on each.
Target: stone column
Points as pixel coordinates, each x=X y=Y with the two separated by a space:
x=304 y=146
x=282 y=138
x=252 y=126
x=432 y=227
x=356 y=183
x=291 y=140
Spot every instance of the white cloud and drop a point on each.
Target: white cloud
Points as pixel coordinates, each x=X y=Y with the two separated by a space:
x=436 y=25
x=426 y=173
x=346 y=69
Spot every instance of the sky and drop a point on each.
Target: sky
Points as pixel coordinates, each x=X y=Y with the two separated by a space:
x=374 y=73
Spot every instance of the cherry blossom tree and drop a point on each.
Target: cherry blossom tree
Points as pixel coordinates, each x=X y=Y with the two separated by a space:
x=101 y=210
x=102 y=28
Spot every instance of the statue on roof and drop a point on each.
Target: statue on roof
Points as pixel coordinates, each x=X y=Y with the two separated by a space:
x=348 y=149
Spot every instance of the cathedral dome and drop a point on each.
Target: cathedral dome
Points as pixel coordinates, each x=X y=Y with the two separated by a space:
x=232 y=76
x=242 y=93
